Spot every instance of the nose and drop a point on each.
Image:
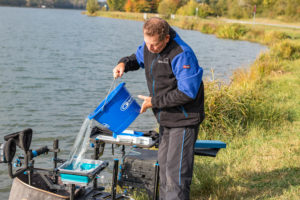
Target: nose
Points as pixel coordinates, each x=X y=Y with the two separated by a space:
x=151 y=47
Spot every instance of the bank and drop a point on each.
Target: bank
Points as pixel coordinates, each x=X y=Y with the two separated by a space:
x=257 y=115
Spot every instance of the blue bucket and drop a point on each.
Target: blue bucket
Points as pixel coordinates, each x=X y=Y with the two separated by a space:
x=119 y=111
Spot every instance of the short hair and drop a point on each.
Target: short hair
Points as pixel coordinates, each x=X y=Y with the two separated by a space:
x=156 y=25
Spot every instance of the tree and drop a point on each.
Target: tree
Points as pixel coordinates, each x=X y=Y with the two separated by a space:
x=116 y=4
x=154 y=5
x=168 y=6
x=188 y=9
x=13 y=2
x=221 y=8
x=62 y=4
x=92 y=6
x=78 y=3
x=182 y=3
x=149 y=6
x=142 y=6
x=129 y=6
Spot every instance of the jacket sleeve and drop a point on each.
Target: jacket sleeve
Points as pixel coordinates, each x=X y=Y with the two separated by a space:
x=189 y=78
x=135 y=61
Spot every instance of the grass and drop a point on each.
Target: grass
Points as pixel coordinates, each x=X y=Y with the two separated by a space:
x=119 y=15
x=268 y=21
x=257 y=115
x=262 y=160
x=259 y=165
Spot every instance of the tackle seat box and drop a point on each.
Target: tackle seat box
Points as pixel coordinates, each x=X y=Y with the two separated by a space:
x=137 y=170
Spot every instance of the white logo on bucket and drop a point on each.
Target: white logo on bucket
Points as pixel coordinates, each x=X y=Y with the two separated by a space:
x=106 y=125
x=126 y=103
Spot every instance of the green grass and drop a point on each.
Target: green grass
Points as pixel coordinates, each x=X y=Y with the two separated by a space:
x=257 y=115
x=260 y=165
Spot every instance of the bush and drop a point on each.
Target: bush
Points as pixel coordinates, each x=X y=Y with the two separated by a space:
x=233 y=109
x=92 y=6
x=204 y=11
x=266 y=64
x=168 y=7
x=286 y=50
x=223 y=115
x=186 y=23
x=208 y=28
x=190 y=9
x=274 y=36
x=116 y=5
x=231 y=31
x=256 y=35
x=238 y=11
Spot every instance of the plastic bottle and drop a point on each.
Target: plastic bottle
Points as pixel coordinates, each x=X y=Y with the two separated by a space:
x=2 y=159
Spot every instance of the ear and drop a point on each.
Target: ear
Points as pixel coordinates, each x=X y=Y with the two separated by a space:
x=167 y=38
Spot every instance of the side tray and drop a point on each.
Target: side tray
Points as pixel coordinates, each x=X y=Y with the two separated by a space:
x=208 y=147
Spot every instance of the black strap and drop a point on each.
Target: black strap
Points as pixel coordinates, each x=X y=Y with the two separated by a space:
x=100 y=131
x=9 y=150
x=25 y=138
x=22 y=138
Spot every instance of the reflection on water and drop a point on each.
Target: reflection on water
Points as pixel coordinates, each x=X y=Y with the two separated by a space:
x=56 y=66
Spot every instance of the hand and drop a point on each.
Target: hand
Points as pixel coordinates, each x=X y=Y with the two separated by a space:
x=146 y=104
x=118 y=71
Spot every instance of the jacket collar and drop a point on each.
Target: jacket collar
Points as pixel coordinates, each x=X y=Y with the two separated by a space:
x=169 y=45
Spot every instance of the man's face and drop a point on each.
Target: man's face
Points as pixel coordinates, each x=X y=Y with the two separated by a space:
x=153 y=43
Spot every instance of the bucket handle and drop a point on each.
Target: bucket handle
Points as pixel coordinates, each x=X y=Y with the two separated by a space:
x=111 y=86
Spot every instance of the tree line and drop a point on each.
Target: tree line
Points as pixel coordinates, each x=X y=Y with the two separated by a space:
x=283 y=9
x=48 y=3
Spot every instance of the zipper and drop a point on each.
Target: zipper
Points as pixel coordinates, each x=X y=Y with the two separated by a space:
x=153 y=80
x=184 y=112
x=153 y=84
x=158 y=115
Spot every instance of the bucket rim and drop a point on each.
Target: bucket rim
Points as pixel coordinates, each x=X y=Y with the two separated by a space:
x=110 y=96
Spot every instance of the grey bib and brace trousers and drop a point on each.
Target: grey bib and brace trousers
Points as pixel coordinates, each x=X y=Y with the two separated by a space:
x=176 y=160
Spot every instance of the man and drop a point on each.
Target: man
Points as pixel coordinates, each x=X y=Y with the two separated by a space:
x=174 y=80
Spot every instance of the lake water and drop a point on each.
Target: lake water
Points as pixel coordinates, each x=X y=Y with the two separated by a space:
x=56 y=66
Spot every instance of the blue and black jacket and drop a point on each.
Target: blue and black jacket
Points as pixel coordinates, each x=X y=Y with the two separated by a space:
x=174 y=81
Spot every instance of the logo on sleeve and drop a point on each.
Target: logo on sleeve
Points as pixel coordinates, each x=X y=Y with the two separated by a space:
x=186 y=66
